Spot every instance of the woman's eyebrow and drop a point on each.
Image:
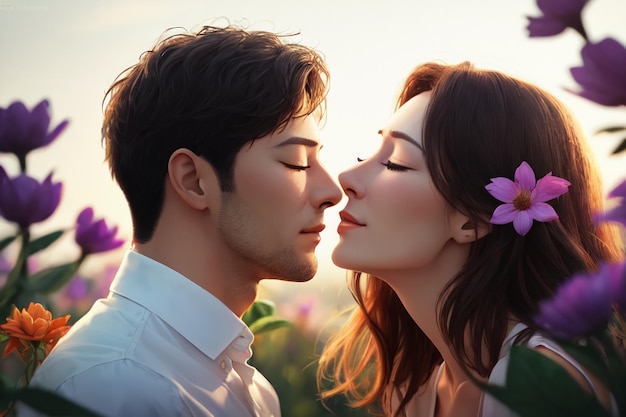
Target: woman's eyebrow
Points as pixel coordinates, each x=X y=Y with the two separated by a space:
x=401 y=135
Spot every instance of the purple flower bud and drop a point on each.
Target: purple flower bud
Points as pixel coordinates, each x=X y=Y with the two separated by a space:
x=584 y=303
x=557 y=16
x=603 y=74
x=94 y=236
x=22 y=131
x=25 y=201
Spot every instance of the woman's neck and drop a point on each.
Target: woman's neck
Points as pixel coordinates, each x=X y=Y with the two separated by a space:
x=456 y=399
x=420 y=292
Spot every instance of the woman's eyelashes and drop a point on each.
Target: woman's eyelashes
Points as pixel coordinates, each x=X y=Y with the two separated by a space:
x=395 y=167
x=391 y=166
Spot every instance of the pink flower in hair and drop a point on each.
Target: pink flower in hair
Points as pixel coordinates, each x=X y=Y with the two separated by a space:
x=525 y=199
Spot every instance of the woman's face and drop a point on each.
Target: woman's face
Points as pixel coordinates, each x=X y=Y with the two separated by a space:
x=395 y=219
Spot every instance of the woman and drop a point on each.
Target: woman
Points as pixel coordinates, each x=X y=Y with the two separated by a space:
x=440 y=287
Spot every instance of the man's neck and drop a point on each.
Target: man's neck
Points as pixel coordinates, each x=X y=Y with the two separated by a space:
x=236 y=289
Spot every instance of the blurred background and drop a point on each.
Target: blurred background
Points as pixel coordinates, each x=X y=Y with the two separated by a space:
x=70 y=51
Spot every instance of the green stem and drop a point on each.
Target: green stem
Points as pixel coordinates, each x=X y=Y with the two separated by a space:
x=17 y=276
x=25 y=232
x=22 y=161
x=37 y=355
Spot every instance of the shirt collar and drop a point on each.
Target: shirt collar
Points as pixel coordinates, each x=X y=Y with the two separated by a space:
x=192 y=311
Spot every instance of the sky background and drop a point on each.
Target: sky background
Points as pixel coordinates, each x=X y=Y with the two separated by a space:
x=70 y=51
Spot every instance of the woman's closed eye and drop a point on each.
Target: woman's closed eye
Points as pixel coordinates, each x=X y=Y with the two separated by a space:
x=395 y=167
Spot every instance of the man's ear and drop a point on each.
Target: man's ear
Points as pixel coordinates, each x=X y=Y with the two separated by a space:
x=464 y=230
x=192 y=178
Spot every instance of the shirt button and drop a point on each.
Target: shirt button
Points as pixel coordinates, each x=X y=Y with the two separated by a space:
x=223 y=365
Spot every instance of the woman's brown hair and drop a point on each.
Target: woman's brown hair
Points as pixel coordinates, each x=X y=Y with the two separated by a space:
x=479 y=125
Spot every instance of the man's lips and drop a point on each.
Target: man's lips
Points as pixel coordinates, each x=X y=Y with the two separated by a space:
x=348 y=218
x=315 y=229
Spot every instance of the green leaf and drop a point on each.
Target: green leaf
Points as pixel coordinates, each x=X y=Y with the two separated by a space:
x=47 y=402
x=7 y=393
x=620 y=148
x=43 y=242
x=7 y=241
x=258 y=310
x=617 y=366
x=267 y=323
x=536 y=386
x=5 y=311
x=7 y=293
x=17 y=273
x=589 y=357
x=51 y=279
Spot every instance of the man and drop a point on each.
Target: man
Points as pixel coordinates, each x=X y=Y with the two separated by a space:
x=213 y=138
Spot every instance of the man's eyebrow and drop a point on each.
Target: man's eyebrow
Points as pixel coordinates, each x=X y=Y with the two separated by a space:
x=401 y=135
x=297 y=140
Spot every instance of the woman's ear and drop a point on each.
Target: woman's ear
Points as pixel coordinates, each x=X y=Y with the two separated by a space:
x=192 y=179
x=466 y=231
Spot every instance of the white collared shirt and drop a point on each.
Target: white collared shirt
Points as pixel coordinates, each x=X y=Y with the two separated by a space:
x=158 y=345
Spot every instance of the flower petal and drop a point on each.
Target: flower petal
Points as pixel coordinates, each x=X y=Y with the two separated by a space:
x=12 y=345
x=23 y=130
x=522 y=222
x=23 y=200
x=542 y=212
x=548 y=188
x=616 y=214
x=503 y=189
x=544 y=26
x=95 y=236
x=525 y=176
x=602 y=77
x=503 y=214
x=619 y=190
x=561 y=7
x=582 y=304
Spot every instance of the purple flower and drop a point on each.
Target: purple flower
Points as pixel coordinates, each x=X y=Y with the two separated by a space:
x=525 y=199
x=583 y=304
x=77 y=288
x=617 y=213
x=25 y=201
x=94 y=236
x=603 y=74
x=557 y=16
x=22 y=131
x=305 y=308
x=104 y=281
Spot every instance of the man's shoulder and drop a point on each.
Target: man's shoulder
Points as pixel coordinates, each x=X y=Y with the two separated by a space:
x=112 y=388
x=103 y=336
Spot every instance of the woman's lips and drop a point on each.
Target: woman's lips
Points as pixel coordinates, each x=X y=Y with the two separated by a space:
x=347 y=222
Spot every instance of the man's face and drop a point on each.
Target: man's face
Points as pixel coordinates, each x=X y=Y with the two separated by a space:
x=272 y=220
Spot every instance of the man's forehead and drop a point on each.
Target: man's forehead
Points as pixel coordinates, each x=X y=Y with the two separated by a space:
x=298 y=131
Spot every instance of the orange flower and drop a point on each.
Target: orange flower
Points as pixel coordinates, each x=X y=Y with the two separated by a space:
x=32 y=324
